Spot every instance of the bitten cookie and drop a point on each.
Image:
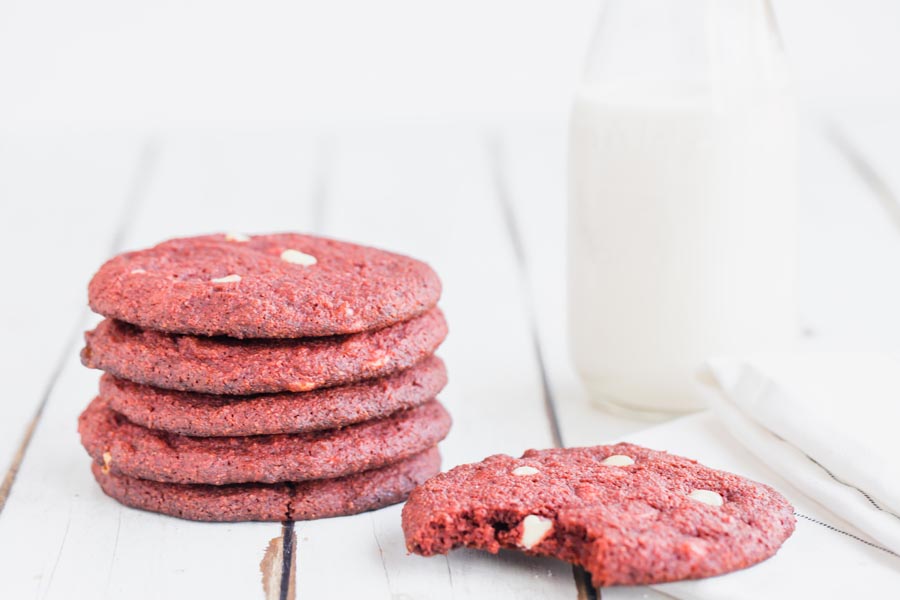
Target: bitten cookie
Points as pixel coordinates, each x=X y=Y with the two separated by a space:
x=135 y=451
x=274 y=502
x=265 y=286
x=217 y=365
x=328 y=408
x=627 y=514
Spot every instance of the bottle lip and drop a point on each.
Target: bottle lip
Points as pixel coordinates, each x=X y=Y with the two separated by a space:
x=690 y=40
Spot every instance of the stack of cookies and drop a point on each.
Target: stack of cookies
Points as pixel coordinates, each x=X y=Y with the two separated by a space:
x=274 y=377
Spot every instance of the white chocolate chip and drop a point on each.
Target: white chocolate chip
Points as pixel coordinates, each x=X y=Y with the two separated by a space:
x=236 y=237
x=107 y=459
x=524 y=470
x=137 y=271
x=706 y=497
x=377 y=363
x=695 y=547
x=295 y=257
x=227 y=279
x=534 y=529
x=617 y=460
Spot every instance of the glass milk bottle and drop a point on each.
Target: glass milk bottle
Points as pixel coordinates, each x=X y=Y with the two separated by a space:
x=681 y=208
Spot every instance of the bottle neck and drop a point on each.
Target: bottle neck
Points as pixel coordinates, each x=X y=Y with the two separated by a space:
x=721 y=46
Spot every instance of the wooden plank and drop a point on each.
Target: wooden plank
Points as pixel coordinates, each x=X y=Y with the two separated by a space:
x=869 y=143
x=230 y=182
x=532 y=175
x=81 y=540
x=849 y=249
x=49 y=247
x=430 y=194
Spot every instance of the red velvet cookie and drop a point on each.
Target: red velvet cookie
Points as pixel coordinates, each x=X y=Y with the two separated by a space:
x=627 y=514
x=266 y=286
x=300 y=501
x=135 y=451
x=194 y=414
x=219 y=365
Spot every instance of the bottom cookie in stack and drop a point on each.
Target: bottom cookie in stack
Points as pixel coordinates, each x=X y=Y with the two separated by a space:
x=297 y=501
x=354 y=466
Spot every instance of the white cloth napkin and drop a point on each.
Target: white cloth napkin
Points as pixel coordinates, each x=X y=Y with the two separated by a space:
x=829 y=423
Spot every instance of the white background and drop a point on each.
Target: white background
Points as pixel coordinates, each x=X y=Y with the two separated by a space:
x=270 y=64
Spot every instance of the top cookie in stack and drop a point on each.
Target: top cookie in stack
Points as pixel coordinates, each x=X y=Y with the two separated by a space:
x=273 y=377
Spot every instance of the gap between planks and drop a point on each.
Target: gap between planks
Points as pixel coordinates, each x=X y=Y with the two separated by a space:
x=285 y=569
x=497 y=155
x=865 y=170
x=145 y=167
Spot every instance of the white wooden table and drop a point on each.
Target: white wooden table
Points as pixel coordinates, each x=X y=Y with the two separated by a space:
x=485 y=208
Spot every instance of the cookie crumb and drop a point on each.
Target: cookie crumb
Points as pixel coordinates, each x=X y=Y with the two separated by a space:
x=295 y=257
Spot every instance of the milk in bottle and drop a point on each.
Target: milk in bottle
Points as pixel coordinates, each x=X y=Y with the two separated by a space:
x=681 y=209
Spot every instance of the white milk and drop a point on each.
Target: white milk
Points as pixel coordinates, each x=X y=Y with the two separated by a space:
x=681 y=237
